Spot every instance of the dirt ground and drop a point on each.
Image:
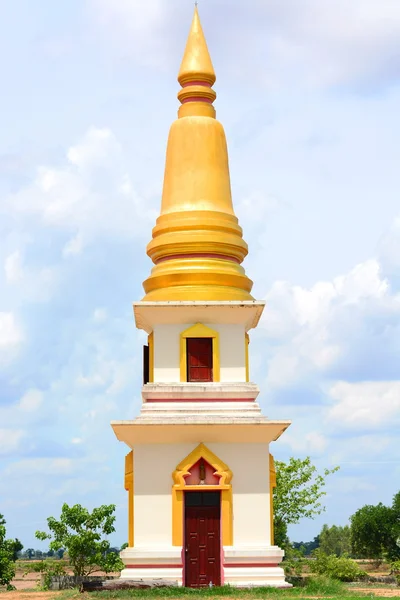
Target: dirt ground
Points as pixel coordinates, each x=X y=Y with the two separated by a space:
x=383 y=592
x=23 y=583
x=28 y=581
x=20 y=595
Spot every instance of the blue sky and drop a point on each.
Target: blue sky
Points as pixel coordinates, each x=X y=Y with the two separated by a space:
x=308 y=93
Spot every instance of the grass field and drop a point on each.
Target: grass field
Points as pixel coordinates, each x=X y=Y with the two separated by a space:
x=315 y=589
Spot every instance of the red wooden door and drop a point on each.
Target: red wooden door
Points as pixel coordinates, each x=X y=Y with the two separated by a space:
x=202 y=539
x=199 y=359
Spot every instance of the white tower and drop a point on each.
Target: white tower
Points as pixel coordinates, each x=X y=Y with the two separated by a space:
x=199 y=474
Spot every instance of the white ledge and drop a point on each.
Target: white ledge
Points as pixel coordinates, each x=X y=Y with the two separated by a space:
x=192 y=429
x=200 y=391
x=149 y=314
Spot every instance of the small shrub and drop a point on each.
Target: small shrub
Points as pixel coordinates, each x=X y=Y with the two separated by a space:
x=395 y=570
x=341 y=568
x=47 y=569
x=294 y=566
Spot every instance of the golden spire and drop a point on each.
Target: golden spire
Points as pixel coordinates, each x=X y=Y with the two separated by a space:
x=196 y=64
x=197 y=244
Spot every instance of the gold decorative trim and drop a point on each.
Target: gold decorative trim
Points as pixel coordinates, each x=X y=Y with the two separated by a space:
x=272 y=485
x=150 y=341
x=246 y=349
x=130 y=489
x=179 y=486
x=199 y=331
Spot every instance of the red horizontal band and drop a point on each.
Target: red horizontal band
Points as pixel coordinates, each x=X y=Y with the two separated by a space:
x=189 y=83
x=179 y=566
x=196 y=99
x=200 y=400
x=150 y=566
x=251 y=565
x=198 y=255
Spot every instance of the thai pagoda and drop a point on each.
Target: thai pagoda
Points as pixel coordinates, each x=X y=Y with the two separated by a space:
x=199 y=472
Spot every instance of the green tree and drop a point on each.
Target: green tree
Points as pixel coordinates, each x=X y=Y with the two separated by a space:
x=375 y=531
x=298 y=494
x=81 y=533
x=307 y=547
x=335 y=540
x=9 y=550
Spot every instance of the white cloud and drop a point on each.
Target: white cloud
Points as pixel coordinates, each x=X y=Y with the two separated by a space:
x=35 y=466
x=365 y=404
x=31 y=401
x=139 y=28
x=13 y=267
x=347 y=484
x=30 y=283
x=338 y=40
x=322 y=43
x=100 y=315
x=356 y=449
x=315 y=326
x=310 y=443
x=11 y=336
x=389 y=248
x=10 y=440
x=74 y=246
x=89 y=196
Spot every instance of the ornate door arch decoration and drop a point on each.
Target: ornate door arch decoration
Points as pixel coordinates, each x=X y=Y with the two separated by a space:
x=225 y=475
x=200 y=331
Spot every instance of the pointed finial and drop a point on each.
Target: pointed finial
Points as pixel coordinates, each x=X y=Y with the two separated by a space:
x=196 y=63
x=196 y=74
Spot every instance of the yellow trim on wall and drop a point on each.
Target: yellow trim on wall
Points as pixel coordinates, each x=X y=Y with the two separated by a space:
x=199 y=331
x=179 y=486
x=272 y=485
x=246 y=349
x=150 y=341
x=129 y=489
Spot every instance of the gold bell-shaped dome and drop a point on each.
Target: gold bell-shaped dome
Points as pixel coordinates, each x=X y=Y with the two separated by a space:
x=197 y=244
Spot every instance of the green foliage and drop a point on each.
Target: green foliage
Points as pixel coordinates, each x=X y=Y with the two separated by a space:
x=335 y=540
x=321 y=585
x=47 y=569
x=9 y=550
x=306 y=548
x=298 y=494
x=375 y=531
x=281 y=537
x=294 y=562
x=343 y=568
x=316 y=587
x=81 y=533
x=395 y=570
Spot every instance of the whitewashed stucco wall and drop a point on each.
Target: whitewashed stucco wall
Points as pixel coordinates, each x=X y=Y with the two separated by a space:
x=167 y=352
x=153 y=467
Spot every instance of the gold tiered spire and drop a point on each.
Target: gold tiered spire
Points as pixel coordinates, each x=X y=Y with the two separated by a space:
x=196 y=62
x=197 y=244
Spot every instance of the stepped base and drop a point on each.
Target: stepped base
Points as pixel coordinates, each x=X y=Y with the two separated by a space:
x=242 y=566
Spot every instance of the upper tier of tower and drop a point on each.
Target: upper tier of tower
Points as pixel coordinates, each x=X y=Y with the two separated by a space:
x=197 y=244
